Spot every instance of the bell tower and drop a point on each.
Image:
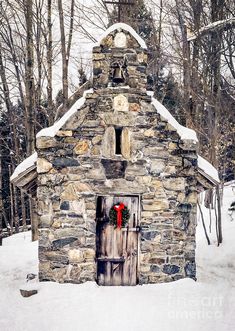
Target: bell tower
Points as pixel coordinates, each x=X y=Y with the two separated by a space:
x=120 y=59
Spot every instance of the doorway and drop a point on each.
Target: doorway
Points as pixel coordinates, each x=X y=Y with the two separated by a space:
x=117 y=248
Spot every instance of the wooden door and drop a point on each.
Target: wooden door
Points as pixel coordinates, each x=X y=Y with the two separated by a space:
x=117 y=249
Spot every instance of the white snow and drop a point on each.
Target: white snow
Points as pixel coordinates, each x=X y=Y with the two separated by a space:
x=126 y=87
x=125 y=27
x=208 y=168
x=26 y=164
x=185 y=133
x=150 y=93
x=207 y=304
x=52 y=130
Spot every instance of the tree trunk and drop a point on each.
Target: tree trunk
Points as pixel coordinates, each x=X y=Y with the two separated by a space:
x=12 y=124
x=64 y=55
x=49 y=63
x=30 y=85
x=185 y=60
x=39 y=65
x=15 y=62
x=197 y=106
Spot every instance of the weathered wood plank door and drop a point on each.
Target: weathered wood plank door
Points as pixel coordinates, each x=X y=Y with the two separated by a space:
x=117 y=249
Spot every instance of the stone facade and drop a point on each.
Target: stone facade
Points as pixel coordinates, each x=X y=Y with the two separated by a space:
x=80 y=163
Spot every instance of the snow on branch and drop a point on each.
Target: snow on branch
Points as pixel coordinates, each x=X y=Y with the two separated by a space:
x=218 y=25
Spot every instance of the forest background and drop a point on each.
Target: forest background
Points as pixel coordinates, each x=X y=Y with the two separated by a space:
x=45 y=65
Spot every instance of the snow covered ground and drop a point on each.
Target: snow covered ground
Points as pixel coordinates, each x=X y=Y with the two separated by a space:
x=185 y=305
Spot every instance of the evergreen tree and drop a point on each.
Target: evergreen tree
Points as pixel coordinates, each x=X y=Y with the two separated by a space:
x=160 y=80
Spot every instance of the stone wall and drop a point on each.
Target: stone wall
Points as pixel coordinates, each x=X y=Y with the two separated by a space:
x=80 y=163
x=131 y=58
x=74 y=168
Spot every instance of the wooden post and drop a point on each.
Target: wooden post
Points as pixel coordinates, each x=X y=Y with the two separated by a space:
x=203 y=223
x=210 y=218
x=1 y=200
x=12 y=203
x=219 y=223
x=34 y=218
x=22 y=199
x=1 y=229
x=16 y=214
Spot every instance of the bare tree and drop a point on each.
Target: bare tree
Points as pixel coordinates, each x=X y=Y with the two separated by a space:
x=65 y=48
x=29 y=74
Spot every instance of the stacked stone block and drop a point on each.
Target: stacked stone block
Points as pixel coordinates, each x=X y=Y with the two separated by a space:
x=79 y=164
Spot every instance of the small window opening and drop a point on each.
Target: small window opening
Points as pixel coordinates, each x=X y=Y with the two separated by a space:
x=118 y=148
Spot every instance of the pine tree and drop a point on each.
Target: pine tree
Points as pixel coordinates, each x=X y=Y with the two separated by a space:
x=160 y=80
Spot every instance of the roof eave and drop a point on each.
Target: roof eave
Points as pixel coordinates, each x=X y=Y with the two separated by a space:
x=208 y=182
x=27 y=180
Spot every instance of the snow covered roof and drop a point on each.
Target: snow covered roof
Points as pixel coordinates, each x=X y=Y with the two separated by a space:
x=52 y=130
x=204 y=167
x=185 y=133
x=26 y=164
x=49 y=132
x=208 y=169
x=125 y=27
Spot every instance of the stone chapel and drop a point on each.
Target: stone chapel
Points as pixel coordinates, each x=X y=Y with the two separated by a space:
x=117 y=146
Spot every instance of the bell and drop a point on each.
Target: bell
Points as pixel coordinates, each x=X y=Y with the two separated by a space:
x=118 y=75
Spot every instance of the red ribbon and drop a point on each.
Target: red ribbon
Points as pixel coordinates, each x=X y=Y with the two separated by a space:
x=119 y=208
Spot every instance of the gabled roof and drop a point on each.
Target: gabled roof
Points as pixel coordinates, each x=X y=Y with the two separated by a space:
x=28 y=163
x=184 y=133
x=52 y=130
x=24 y=171
x=25 y=175
x=207 y=170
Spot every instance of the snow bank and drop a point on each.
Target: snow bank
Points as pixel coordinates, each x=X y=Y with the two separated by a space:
x=185 y=133
x=26 y=164
x=52 y=130
x=208 y=168
x=18 y=257
x=217 y=264
x=125 y=27
x=207 y=304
